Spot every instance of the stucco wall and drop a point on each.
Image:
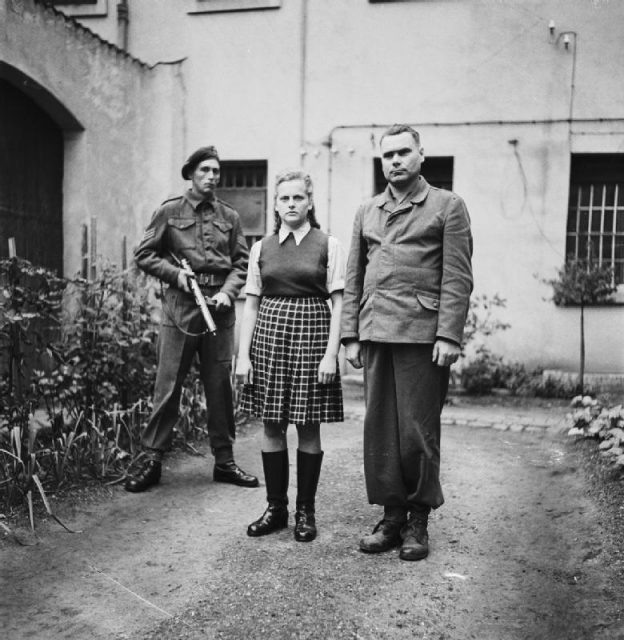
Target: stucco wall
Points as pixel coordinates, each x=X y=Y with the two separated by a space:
x=435 y=64
x=121 y=159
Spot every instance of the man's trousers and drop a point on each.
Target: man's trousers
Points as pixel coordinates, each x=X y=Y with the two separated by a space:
x=404 y=393
x=176 y=351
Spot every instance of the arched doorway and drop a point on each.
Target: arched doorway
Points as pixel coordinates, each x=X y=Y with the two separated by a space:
x=31 y=179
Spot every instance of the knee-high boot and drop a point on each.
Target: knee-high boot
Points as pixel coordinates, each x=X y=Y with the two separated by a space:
x=308 y=472
x=275 y=517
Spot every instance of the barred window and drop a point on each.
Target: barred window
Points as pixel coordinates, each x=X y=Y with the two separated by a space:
x=243 y=185
x=595 y=229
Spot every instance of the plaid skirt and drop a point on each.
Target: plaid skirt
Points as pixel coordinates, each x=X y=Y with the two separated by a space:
x=289 y=342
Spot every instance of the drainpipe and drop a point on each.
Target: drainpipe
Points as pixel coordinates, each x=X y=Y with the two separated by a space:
x=123 y=20
x=302 y=80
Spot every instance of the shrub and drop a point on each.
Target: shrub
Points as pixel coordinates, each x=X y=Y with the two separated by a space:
x=591 y=419
x=551 y=387
x=487 y=371
x=77 y=413
x=583 y=283
x=106 y=355
x=481 y=374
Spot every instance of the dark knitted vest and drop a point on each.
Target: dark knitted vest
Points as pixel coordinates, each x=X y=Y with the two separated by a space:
x=295 y=271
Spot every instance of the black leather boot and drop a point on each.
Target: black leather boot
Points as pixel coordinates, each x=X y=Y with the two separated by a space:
x=275 y=517
x=232 y=473
x=147 y=477
x=415 y=537
x=308 y=472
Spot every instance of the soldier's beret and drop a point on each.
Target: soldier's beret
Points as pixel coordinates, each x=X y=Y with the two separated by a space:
x=203 y=153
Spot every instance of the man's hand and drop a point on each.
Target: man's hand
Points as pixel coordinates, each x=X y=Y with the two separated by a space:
x=353 y=354
x=183 y=276
x=222 y=301
x=445 y=353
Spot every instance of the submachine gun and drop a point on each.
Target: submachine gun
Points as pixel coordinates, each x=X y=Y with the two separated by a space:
x=200 y=300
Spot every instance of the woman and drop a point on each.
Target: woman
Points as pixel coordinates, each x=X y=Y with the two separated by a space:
x=288 y=350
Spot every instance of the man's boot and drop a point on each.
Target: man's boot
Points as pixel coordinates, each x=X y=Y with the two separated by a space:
x=231 y=473
x=308 y=472
x=415 y=537
x=147 y=477
x=226 y=470
x=275 y=517
x=387 y=532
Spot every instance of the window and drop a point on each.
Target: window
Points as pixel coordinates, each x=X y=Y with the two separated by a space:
x=243 y=185
x=437 y=171
x=219 y=6
x=595 y=227
x=82 y=8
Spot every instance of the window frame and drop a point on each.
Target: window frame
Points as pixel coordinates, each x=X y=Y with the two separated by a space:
x=595 y=215
x=82 y=8
x=227 y=6
x=238 y=176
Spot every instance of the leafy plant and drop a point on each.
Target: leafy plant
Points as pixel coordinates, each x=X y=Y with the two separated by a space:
x=481 y=321
x=77 y=414
x=106 y=353
x=590 y=419
x=30 y=302
x=582 y=283
x=479 y=376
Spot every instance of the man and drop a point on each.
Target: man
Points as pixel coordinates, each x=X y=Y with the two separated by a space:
x=409 y=279
x=207 y=232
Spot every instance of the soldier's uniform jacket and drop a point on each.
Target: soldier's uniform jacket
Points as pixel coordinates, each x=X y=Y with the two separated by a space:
x=409 y=274
x=206 y=232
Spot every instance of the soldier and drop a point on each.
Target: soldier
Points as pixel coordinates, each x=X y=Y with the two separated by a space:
x=206 y=232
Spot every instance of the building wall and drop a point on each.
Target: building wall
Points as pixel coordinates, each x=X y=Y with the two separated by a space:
x=113 y=110
x=313 y=82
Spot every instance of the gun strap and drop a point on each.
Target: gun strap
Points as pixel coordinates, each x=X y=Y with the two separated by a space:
x=167 y=311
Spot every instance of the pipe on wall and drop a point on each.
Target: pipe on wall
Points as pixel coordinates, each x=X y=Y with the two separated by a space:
x=329 y=141
x=123 y=22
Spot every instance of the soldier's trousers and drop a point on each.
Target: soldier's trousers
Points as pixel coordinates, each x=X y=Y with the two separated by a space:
x=404 y=394
x=176 y=351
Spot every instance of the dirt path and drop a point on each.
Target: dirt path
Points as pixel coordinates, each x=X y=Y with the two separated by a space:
x=518 y=552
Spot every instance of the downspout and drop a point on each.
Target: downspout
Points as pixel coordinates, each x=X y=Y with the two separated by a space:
x=302 y=80
x=123 y=21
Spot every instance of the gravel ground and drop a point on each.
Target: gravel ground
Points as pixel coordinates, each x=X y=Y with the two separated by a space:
x=527 y=546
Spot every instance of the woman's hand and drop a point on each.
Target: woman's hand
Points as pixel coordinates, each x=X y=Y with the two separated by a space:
x=244 y=370
x=327 y=370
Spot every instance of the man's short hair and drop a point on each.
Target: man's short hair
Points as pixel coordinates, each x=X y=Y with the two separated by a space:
x=203 y=153
x=396 y=129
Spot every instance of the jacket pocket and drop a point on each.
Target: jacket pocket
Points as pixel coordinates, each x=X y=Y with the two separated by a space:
x=223 y=225
x=431 y=303
x=182 y=233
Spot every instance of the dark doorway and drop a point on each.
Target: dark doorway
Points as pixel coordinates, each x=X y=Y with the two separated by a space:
x=437 y=171
x=31 y=180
